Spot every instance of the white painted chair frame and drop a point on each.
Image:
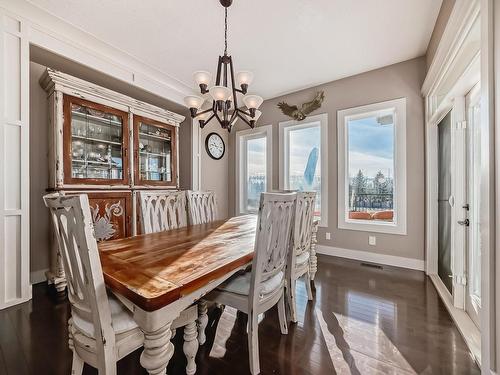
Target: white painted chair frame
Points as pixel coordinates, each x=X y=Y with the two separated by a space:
x=86 y=289
x=165 y=210
x=272 y=243
x=202 y=206
x=300 y=248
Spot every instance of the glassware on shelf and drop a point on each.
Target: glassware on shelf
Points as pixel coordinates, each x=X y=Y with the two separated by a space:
x=96 y=147
x=154 y=145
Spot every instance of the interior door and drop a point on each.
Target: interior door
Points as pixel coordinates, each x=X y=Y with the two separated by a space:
x=473 y=248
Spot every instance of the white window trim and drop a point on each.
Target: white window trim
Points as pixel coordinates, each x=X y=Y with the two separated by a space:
x=400 y=215
x=241 y=162
x=284 y=127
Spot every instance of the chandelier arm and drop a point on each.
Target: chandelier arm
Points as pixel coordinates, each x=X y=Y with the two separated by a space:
x=218 y=119
x=231 y=70
x=245 y=112
x=217 y=79
x=203 y=112
x=245 y=120
x=204 y=122
x=234 y=115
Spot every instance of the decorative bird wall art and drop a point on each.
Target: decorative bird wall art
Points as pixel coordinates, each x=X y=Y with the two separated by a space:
x=300 y=114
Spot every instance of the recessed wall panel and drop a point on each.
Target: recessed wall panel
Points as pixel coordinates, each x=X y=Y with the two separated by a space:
x=12 y=82
x=12 y=243
x=12 y=176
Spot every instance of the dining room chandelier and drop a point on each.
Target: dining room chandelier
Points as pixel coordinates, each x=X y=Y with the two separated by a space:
x=224 y=93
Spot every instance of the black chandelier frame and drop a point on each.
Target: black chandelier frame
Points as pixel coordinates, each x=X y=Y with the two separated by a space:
x=221 y=109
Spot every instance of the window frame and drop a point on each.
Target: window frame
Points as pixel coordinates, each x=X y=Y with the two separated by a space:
x=242 y=137
x=284 y=128
x=399 y=226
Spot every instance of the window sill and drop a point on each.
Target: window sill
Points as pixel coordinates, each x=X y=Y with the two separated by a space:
x=371 y=226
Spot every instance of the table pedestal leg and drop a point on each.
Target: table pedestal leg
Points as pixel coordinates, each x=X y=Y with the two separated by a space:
x=202 y=321
x=157 y=350
x=190 y=346
x=313 y=259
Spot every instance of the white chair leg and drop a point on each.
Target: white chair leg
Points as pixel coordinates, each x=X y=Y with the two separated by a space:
x=308 y=286
x=190 y=346
x=253 y=343
x=77 y=365
x=282 y=315
x=202 y=321
x=291 y=301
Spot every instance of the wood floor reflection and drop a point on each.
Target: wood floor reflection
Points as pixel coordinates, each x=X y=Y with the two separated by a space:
x=363 y=320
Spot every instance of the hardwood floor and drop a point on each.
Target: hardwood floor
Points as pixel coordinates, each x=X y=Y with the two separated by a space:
x=363 y=320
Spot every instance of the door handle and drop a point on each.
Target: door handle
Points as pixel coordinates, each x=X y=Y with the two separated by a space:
x=464 y=222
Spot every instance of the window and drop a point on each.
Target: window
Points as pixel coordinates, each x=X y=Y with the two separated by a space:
x=253 y=167
x=303 y=158
x=372 y=167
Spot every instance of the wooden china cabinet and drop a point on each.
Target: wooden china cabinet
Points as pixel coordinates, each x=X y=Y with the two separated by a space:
x=108 y=146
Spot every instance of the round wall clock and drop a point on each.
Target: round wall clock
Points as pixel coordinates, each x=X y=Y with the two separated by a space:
x=215 y=146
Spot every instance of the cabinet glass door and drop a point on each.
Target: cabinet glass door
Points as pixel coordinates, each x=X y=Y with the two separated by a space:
x=154 y=152
x=96 y=141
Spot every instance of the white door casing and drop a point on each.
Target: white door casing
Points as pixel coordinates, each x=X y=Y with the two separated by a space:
x=14 y=162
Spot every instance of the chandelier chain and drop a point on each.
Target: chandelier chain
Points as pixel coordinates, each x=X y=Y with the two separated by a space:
x=225 y=31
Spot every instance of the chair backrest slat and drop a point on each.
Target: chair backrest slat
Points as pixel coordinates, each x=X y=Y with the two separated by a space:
x=78 y=247
x=272 y=241
x=202 y=206
x=304 y=215
x=162 y=210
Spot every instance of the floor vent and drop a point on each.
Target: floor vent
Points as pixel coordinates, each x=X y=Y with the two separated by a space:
x=372 y=265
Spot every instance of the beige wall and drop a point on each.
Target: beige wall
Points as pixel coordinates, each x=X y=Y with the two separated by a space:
x=214 y=173
x=395 y=81
x=40 y=234
x=437 y=33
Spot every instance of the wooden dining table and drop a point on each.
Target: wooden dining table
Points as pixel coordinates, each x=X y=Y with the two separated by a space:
x=159 y=275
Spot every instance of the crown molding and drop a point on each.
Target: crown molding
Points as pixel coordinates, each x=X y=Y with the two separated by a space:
x=53 y=80
x=62 y=38
x=461 y=19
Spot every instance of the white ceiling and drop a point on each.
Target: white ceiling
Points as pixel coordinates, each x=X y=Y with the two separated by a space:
x=288 y=44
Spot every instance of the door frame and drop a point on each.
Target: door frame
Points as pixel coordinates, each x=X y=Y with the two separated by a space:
x=445 y=87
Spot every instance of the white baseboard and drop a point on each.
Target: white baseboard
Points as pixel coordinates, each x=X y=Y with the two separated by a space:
x=38 y=276
x=366 y=256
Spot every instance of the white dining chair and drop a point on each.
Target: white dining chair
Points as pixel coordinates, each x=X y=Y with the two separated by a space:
x=298 y=258
x=256 y=291
x=162 y=210
x=101 y=329
x=202 y=206
x=166 y=210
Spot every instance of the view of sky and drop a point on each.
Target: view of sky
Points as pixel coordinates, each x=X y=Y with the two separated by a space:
x=256 y=156
x=371 y=147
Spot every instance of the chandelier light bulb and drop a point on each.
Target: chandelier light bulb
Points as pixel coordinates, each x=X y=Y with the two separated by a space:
x=220 y=93
x=252 y=101
x=202 y=77
x=193 y=101
x=244 y=78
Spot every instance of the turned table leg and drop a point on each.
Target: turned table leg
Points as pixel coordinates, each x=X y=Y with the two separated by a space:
x=313 y=259
x=190 y=346
x=202 y=321
x=157 y=350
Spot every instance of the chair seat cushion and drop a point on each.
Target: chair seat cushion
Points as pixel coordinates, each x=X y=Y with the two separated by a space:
x=121 y=319
x=302 y=258
x=240 y=284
